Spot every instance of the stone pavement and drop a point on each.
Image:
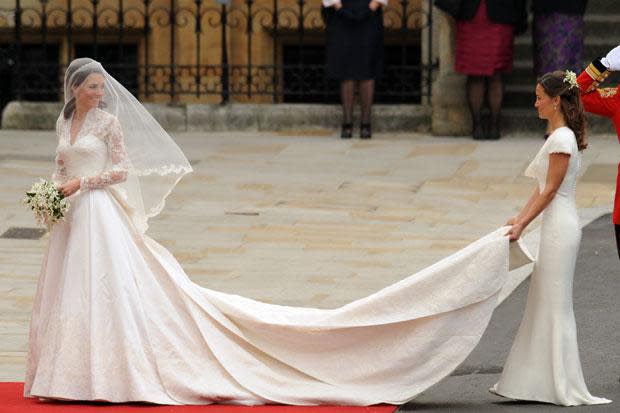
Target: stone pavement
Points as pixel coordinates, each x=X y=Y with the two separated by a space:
x=302 y=217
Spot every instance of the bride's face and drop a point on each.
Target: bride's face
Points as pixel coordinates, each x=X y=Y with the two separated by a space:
x=88 y=95
x=545 y=104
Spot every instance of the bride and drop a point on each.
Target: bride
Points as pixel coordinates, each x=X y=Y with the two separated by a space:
x=115 y=318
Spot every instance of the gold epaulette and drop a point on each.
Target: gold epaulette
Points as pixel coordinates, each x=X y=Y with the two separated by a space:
x=607 y=92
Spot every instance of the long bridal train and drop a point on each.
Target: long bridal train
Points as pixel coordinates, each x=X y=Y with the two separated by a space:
x=121 y=321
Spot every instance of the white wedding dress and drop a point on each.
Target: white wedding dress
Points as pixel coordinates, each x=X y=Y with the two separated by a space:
x=115 y=317
x=543 y=364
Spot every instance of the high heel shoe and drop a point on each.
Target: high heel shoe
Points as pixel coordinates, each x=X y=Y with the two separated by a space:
x=494 y=132
x=365 y=131
x=478 y=131
x=347 y=131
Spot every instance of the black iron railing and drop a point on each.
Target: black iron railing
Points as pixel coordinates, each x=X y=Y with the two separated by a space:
x=171 y=50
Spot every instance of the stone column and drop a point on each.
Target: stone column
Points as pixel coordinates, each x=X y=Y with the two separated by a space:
x=450 y=111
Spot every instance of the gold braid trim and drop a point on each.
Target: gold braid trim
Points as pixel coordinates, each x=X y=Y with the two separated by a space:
x=596 y=75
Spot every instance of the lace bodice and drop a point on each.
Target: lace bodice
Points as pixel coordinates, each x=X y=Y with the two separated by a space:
x=97 y=157
x=562 y=140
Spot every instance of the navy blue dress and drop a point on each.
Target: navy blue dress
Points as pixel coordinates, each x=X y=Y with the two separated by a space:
x=354 y=41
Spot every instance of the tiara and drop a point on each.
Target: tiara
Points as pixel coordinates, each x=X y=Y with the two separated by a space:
x=570 y=77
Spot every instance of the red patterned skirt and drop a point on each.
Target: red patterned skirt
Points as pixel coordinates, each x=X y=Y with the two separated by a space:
x=483 y=47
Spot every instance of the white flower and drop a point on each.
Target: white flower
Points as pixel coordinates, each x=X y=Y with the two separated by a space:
x=47 y=203
x=571 y=78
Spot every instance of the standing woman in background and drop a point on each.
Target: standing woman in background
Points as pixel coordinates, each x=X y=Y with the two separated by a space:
x=484 y=45
x=355 y=54
x=558 y=33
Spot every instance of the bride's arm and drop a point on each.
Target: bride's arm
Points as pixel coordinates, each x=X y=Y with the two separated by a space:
x=558 y=165
x=59 y=176
x=118 y=158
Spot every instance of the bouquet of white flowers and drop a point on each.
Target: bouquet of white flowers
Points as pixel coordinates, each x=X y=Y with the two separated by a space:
x=47 y=203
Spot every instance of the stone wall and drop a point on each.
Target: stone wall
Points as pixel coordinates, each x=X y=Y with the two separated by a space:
x=242 y=117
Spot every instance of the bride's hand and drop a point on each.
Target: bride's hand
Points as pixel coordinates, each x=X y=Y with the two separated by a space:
x=511 y=221
x=70 y=187
x=514 y=233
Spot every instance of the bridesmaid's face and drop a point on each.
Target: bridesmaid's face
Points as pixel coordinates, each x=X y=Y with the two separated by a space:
x=545 y=104
x=89 y=94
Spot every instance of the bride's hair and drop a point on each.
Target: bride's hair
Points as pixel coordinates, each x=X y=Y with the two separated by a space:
x=77 y=77
x=560 y=83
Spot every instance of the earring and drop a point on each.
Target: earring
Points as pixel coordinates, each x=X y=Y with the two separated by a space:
x=555 y=107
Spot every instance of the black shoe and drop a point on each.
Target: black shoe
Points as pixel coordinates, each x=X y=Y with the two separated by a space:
x=494 y=132
x=365 y=131
x=478 y=132
x=347 y=131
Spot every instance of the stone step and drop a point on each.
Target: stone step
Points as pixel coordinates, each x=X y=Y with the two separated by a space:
x=522 y=94
x=298 y=117
x=603 y=25
x=523 y=74
x=517 y=95
x=602 y=6
x=523 y=120
x=593 y=46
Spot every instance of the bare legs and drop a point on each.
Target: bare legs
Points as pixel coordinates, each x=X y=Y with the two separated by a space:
x=366 y=92
x=491 y=87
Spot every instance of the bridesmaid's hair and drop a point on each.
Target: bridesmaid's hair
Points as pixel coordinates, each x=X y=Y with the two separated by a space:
x=77 y=80
x=554 y=84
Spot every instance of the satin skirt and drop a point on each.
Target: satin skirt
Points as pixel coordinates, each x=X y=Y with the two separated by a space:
x=116 y=319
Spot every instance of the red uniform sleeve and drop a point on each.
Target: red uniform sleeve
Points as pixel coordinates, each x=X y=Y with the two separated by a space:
x=595 y=101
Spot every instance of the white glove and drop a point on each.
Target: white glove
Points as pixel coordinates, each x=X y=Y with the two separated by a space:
x=612 y=60
x=331 y=3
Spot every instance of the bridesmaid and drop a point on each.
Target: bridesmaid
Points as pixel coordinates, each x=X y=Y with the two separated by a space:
x=543 y=364
x=355 y=55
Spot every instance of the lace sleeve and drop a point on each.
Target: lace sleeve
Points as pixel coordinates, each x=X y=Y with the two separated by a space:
x=117 y=172
x=60 y=174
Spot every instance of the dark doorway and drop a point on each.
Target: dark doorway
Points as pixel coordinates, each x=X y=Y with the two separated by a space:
x=305 y=82
x=120 y=61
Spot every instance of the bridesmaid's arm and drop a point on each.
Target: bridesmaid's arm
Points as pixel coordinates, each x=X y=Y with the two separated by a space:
x=558 y=165
x=526 y=208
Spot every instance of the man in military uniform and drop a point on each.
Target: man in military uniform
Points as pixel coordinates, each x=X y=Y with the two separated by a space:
x=604 y=102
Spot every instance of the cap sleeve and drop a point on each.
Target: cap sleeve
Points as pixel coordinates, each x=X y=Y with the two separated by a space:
x=561 y=142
